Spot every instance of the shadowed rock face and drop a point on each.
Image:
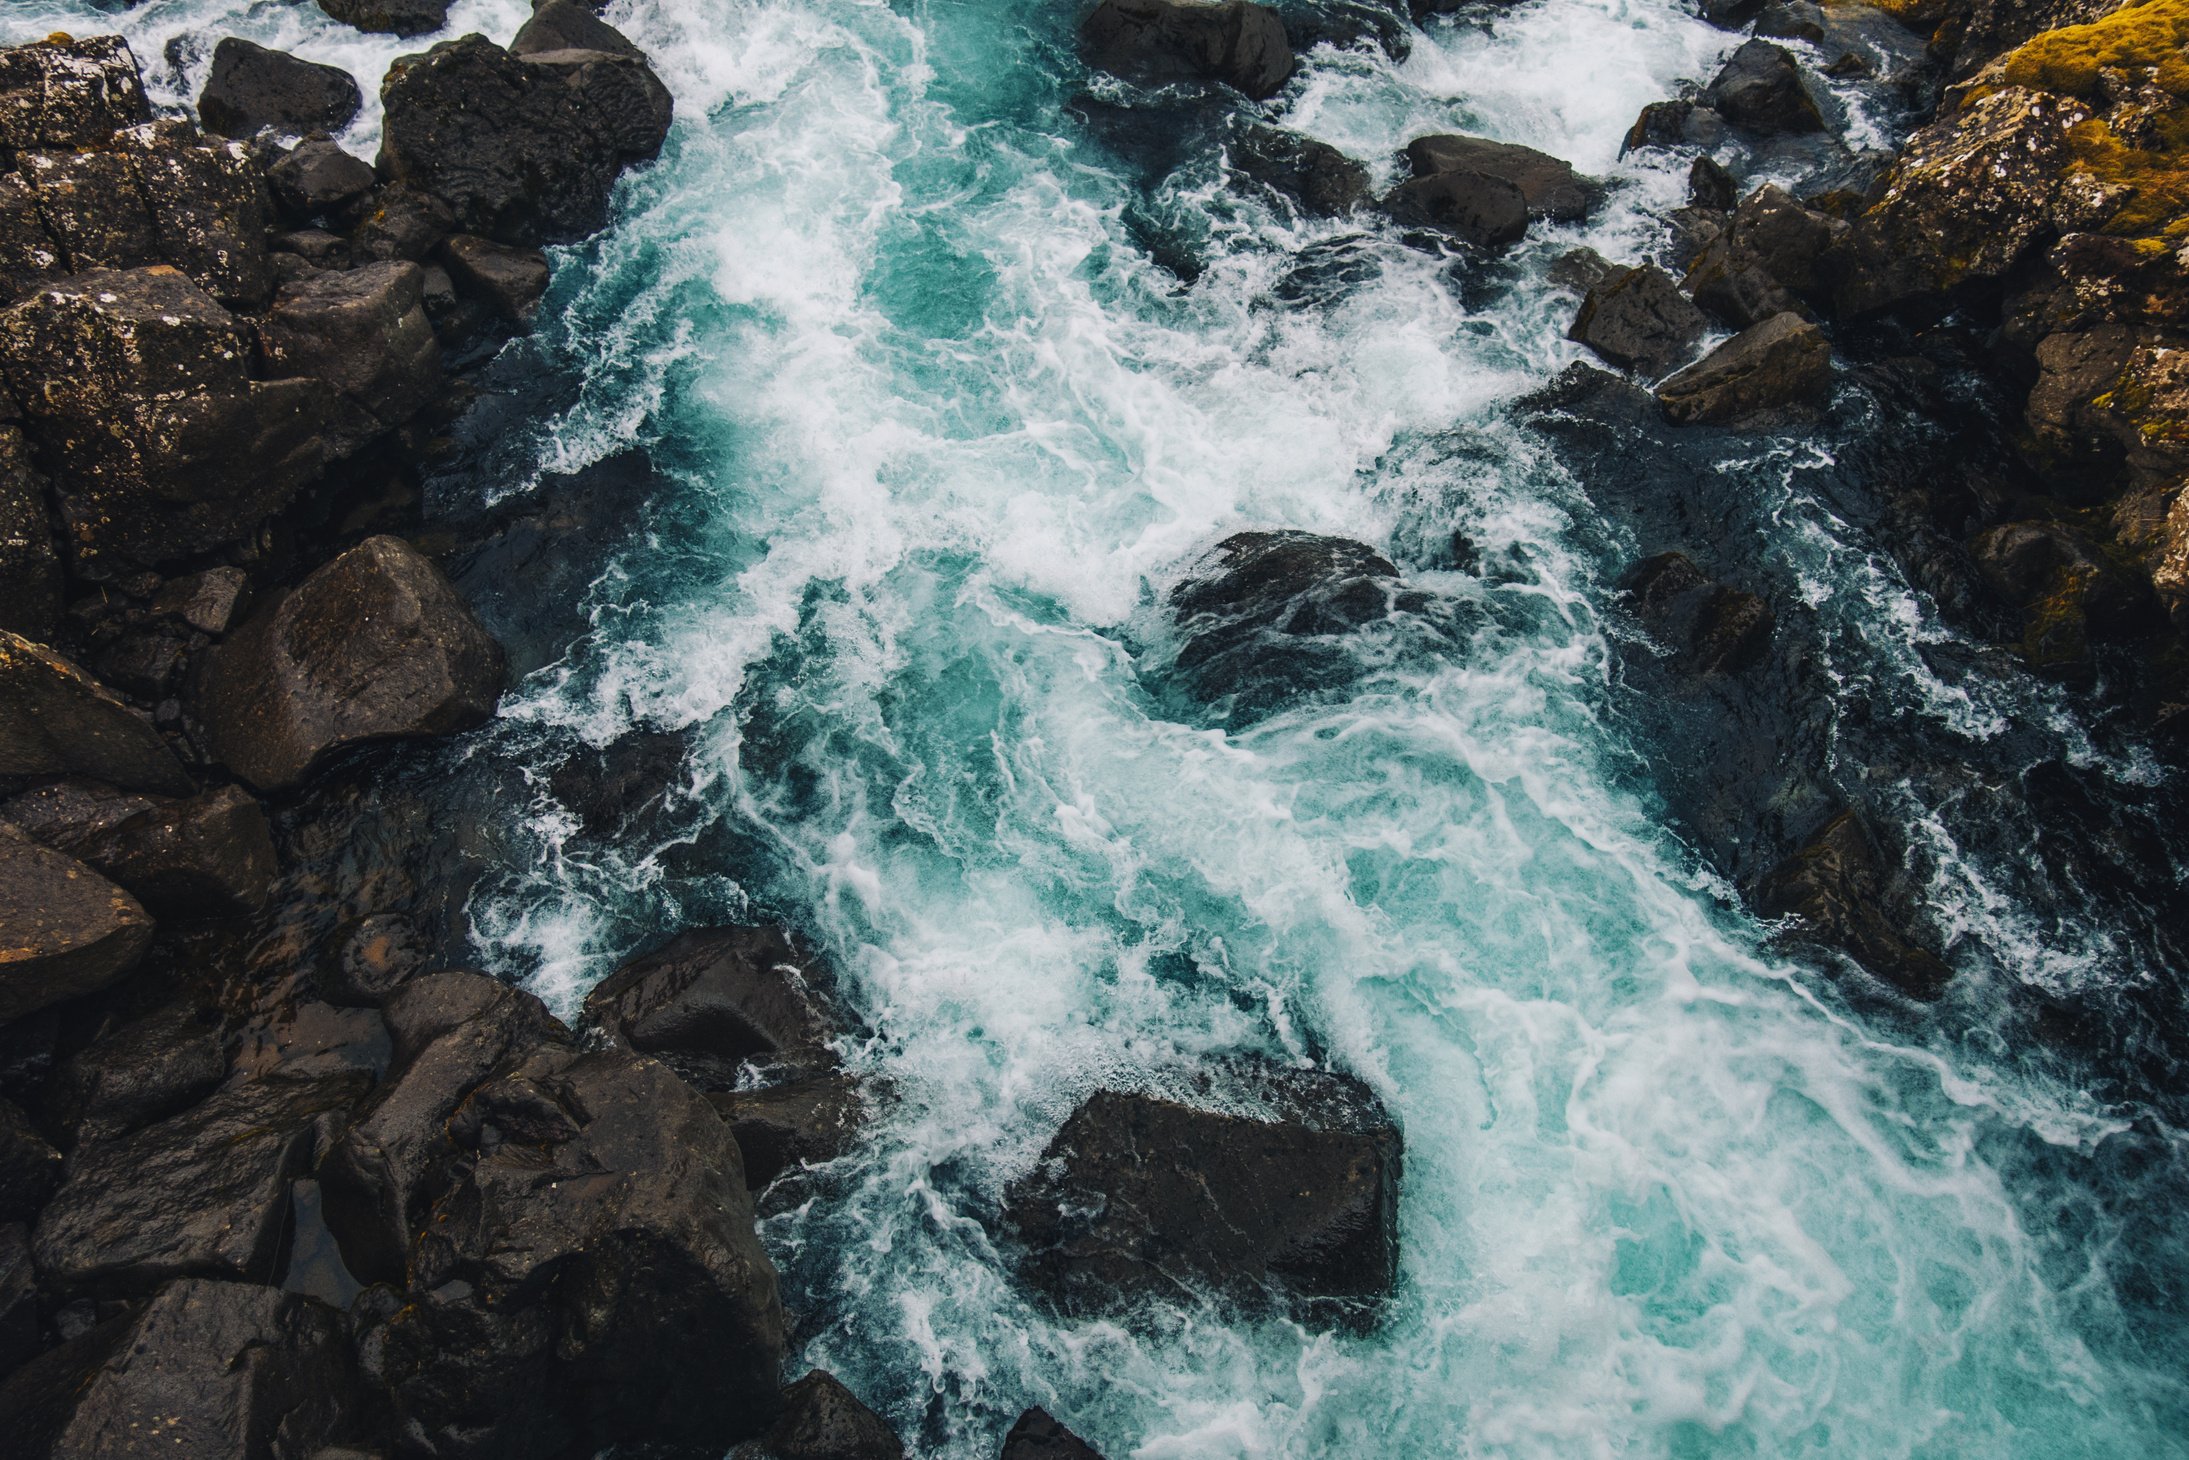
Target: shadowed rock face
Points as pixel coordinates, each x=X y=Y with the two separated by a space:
x=252 y=87
x=57 y=720
x=822 y=1420
x=1760 y=90
x=390 y=17
x=1236 y=42
x=65 y=931
x=709 y=1001
x=1639 y=320
x=1038 y=1436
x=1771 y=374
x=1139 y=1197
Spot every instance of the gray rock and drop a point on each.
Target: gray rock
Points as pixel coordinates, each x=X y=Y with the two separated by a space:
x=317 y=179
x=1637 y=319
x=252 y=87
x=782 y=1126
x=1837 y=889
x=1711 y=628
x=1473 y=208
x=67 y=930
x=390 y=17
x=207 y=601
x=363 y=331
x=1760 y=90
x=210 y=208
x=1766 y=375
x=566 y=25
x=1553 y=190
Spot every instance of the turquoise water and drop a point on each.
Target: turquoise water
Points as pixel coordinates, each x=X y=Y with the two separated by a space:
x=937 y=436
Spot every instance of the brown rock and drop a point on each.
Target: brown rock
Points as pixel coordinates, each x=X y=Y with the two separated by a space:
x=57 y=720
x=30 y=571
x=207 y=601
x=1638 y=319
x=1551 y=188
x=510 y=280
x=364 y=332
x=1778 y=370
x=63 y=92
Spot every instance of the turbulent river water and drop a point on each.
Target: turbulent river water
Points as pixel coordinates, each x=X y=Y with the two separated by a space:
x=930 y=433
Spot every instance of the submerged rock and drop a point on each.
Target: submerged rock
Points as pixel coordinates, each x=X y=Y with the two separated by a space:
x=1768 y=374
x=1322 y=180
x=1233 y=41
x=1837 y=888
x=1139 y=1197
x=1551 y=188
x=372 y=646
x=57 y=720
x=1760 y=90
x=252 y=87
x=1038 y=1436
x=1638 y=320
x=822 y=1420
x=1712 y=628
x=65 y=931
x=709 y=1002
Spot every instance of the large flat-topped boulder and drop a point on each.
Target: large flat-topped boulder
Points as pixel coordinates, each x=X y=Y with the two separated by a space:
x=1768 y=375
x=1233 y=41
x=1549 y=185
x=251 y=87
x=390 y=17
x=710 y=1001
x=375 y=645
x=64 y=92
x=57 y=720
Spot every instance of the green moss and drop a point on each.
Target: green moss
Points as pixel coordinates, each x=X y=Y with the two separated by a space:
x=2144 y=41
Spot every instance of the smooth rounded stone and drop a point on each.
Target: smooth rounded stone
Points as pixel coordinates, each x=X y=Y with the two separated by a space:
x=318 y=179
x=1038 y=1436
x=779 y=1127
x=1837 y=886
x=252 y=87
x=390 y=17
x=1553 y=190
x=374 y=645
x=137 y=390
x=1322 y=180
x=594 y=1259
x=710 y=1001
x=141 y=1073
x=1637 y=319
x=1236 y=42
x=1139 y=1197
x=208 y=602
x=30 y=569
x=1473 y=208
x=1767 y=374
x=1711 y=628
x=67 y=92
x=402 y=223
x=30 y=1169
x=19 y=1327
x=822 y=1420
x=1770 y=256
x=1675 y=124
x=363 y=331
x=524 y=150
x=566 y=25
x=370 y=958
x=213 y=1369
x=65 y=931
x=510 y=280
x=1760 y=90
x=206 y=1191
x=57 y=720
x=1792 y=20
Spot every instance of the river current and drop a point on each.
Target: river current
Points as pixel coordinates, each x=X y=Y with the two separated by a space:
x=930 y=432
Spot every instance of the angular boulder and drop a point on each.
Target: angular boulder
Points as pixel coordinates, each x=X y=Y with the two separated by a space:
x=401 y=222
x=822 y=1420
x=317 y=179
x=29 y=1168
x=390 y=17
x=1637 y=319
x=363 y=331
x=57 y=720
x=92 y=208
x=65 y=92
x=252 y=87
x=1769 y=258
x=1552 y=189
x=708 y=1002
x=1766 y=375
x=1675 y=124
x=143 y=1072
x=375 y=645
x=208 y=602
x=1760 y=90
x=209 y=208
x=1474 y=208
x=1235 y=42
x=511 y=281
x=1836 y=889
x=30 y=570
x=206 y=856
x=1711 y=628
x=568 y=25
x=1038 y=1436
x=1141 y=1197
x=1322 y=180
x=524 y=150
x=65 y=931
x=782 y=1126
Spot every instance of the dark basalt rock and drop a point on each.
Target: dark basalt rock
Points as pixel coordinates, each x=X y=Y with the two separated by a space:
x=594 y=1255
x=708 y=1002
x=207 y=856
x=370 y=958
x=1139 y=1197
x=1322 y=180
x=138 y=400
x=29 y=1168
x=223 y=1370
x=1768 y=374
x=30 y=570
x=64 y=92
x=390 y=17
x=207 y=601
x=1639 y=320
x=1236 y=42
x=141 y=1073
x=2070 y=596
x=317 y=179
x=57 y=720
x=1837 y=887
x=782 y=1126
x=374 y=645
x=1473 y=208
x=1038 y=1436
x=252 y=87
x=524 y=150
x=209 y=208
x=566 y=25
x=1793 y=20
x=365 y=333
x=19 y=1329
x=1711 y=628
x=402 y=223
x=1675 y=124
x=1760 y=90
x=65 y=930
x=1769 y=258
x=1710 y=186
x=205 y=1192
x=510 y=280
x=822 y=1420
x=91 y=208
x=1729 y=14
x=1552 y=189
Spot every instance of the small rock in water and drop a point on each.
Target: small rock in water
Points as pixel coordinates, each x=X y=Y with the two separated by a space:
x=1836 y=886
x=1639 y=320
x=252 y=87
x=782 y=1126
x=566 y=25
x=1760 y=90
x=822 y=1420
x=1473 y=208
x=1237 y=42
x=66 y=92
x=1674 y=124
x=1770 y=255
x=1769 y=374
x=1038 y=1436
x=709 y=1002
x=1796 y=20
x=390 y=17
x=1713 y=628
x=1551 y=188
x=1709 y=185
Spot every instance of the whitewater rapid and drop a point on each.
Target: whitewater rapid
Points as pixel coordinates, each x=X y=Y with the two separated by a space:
x=938 y=434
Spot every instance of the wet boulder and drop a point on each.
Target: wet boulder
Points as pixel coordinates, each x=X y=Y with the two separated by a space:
x=1768 y=374
x=208 y=602
x=1838 y=889
x=364 y=332
x=1323 y=181
x=1675 y=124
x=57 y=720
x=317 y=179
x=390 y=17
x=209 y=207
x=709 y=1002
x=66 y=92
x=1142 y=1197
x=137 y=396
x=369 y=958
x=19 y=1326
x=205 y=856
x=1474 y=208
x=1769 y=258
x=568 y=25
x=1235 y=42
x=143 y=1072
x=523 y=150
x=511 y=281
x=203 y=1192
x=1637 y=319
x=252 y=87
x=1761 y=90
x=1792 y=20
x=222 y=1370
x=2070 y=594
x=1038 y=1436
x=29 y=1168
x=822 y=1420
x=375 y=645
x=65 y=931
x=30 y=569
x=1711 y=628
x=779 y=1127
x=401 y=222
x=1711 y=186
x=1551 y=188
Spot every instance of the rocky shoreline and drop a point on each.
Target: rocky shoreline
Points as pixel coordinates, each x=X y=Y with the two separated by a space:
x=274 y=1178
